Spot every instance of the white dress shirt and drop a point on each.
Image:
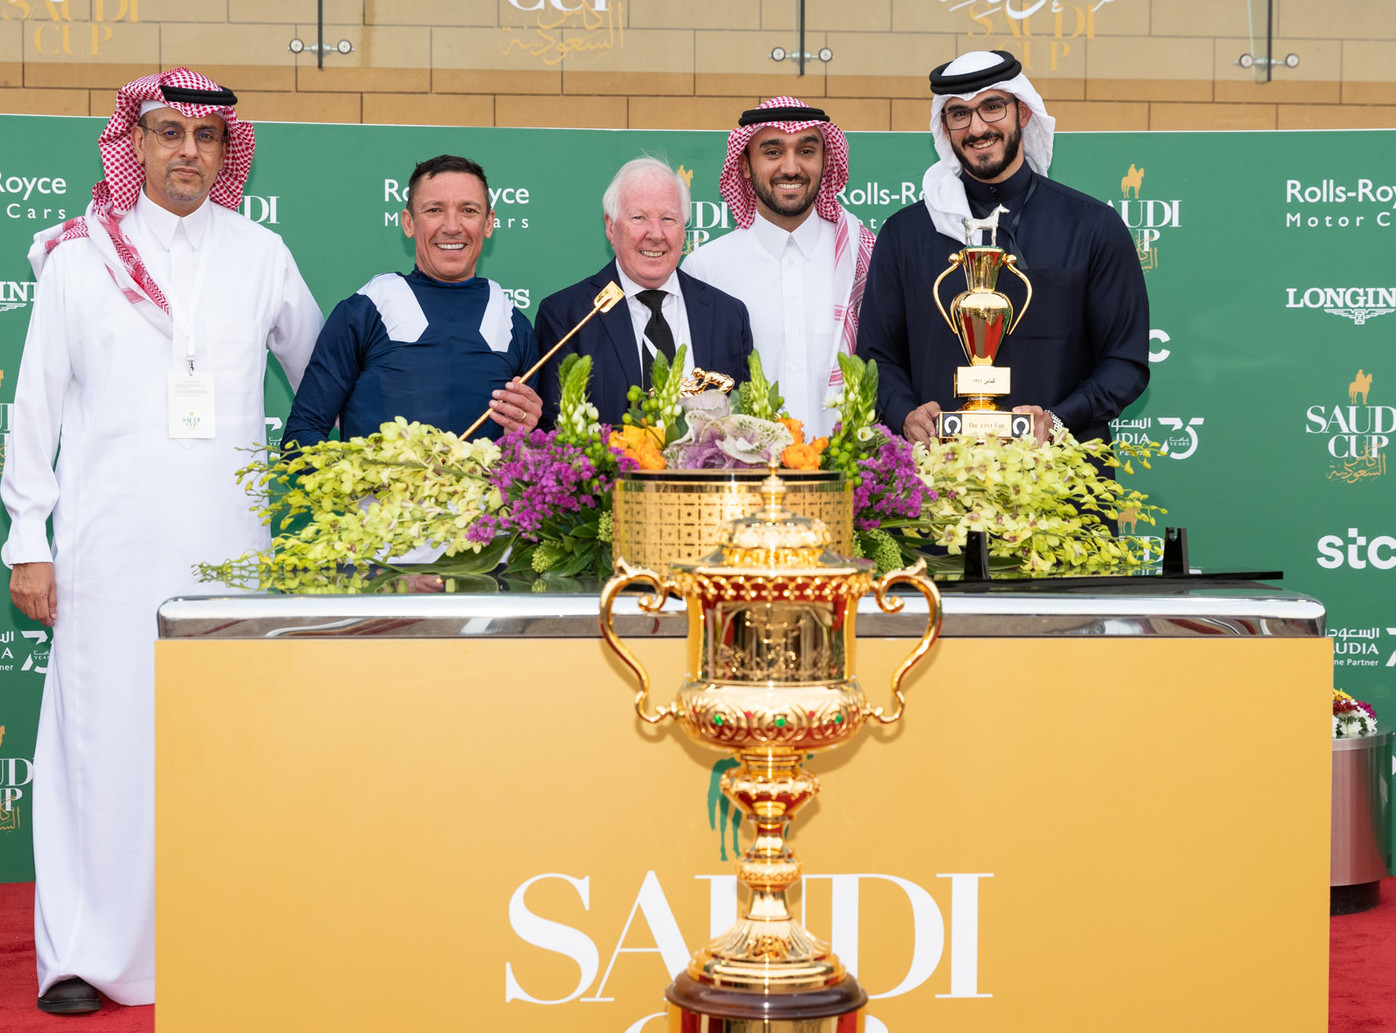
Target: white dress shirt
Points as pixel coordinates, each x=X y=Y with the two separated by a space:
x=786 y=280
x=675 y=314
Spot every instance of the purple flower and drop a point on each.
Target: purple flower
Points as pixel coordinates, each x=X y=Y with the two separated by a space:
x=542 y=478
x=889 y=487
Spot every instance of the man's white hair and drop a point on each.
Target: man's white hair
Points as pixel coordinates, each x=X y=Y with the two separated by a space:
x=634 y=169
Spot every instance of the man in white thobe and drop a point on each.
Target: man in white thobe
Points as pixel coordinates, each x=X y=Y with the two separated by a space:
x=146 y=351
x=800 y=277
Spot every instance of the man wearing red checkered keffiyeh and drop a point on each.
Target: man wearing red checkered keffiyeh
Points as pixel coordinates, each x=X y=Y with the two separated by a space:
x=145 y=355
x=785 y=162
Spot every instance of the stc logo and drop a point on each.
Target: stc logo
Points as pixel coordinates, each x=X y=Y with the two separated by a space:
x=1356 y=551
x=930 y=935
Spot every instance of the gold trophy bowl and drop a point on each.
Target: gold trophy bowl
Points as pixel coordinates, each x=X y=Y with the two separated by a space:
x=981 y=317
x=771 y=638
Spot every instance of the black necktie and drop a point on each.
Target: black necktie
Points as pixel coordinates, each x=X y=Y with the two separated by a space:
x=657 y=329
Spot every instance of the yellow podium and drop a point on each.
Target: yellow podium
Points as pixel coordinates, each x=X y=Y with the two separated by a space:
x=1109 y=810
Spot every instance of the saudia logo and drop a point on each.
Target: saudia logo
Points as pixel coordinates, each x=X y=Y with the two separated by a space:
x=1179 y=436
x=1357 y=433
x=1329 y=204
x=32 y=644
x=1356 y=303
x=16 y=294
x=395 y=194
x=1146 y=218
x=1358 y=647
x=930 y=930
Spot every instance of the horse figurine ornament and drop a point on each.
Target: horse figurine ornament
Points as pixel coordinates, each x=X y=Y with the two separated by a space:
x=990 y=222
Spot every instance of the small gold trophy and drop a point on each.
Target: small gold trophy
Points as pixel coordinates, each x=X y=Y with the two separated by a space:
x=770 y=657
x=981 y=317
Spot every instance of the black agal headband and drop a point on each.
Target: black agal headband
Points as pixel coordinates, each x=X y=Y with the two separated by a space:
x=760 y=116
x=943 y=85
x=219 y=98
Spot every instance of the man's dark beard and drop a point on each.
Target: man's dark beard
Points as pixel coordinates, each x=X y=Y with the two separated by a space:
x=787 y=206
x=1013 y=146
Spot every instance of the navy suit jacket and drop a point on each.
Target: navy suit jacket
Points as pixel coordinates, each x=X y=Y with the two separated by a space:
x=717 y=323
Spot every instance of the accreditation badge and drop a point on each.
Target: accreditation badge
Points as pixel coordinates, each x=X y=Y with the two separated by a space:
x=191 y=404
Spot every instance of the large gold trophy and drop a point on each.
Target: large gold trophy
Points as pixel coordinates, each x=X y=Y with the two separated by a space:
x=981 y=317
x=771 y=619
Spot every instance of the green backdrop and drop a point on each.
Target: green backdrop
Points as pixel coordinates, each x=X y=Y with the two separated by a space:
x=1267 y=256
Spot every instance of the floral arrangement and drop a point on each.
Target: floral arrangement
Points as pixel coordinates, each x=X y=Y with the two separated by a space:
x=1044 y=507
x=1351 y=717
x=358 y=515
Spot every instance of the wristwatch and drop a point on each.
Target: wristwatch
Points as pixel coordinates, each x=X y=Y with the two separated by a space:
x=1057 y=423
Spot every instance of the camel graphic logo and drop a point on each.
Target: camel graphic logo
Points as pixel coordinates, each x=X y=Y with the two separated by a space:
x=1356 y=303
x=1146 y=217
x=1357 y=433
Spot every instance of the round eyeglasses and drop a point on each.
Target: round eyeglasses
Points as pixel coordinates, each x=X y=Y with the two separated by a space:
x=206 y=138
x=992 y=110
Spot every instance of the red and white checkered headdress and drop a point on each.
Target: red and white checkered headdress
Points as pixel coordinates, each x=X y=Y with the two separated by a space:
x=789 y=115
x=193 y=96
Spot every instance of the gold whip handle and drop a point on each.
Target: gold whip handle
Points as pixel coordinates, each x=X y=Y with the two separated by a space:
x=652 y=603
x=603 y=302
x=891 y=604
x=1012 y=264
x=955 y=261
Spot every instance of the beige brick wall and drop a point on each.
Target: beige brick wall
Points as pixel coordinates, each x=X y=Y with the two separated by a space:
x=1111 y=65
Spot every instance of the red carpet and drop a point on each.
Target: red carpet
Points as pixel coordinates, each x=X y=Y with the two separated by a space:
x=1362 y=967
x=19 y=986
x=1362 y=973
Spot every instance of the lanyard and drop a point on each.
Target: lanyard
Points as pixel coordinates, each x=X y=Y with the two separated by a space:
x=183 y=315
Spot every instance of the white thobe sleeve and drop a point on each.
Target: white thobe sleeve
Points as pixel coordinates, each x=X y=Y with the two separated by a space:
x=296 y=324
x=29 y=486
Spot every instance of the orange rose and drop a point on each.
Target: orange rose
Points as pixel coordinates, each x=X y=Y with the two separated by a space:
x=641 y=444
x=800 y=457
x=796 y=428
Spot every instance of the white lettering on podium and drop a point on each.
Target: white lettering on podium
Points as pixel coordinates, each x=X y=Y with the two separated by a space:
x=663 y=926
x=551 y=936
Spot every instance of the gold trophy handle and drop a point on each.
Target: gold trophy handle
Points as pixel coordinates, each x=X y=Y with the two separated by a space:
x=652 y=603
x=955 y=261
x=1011 y=262
x=891 y=604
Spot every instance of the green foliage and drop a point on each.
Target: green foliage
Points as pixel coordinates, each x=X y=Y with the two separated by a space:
x=342 y=513
x=659 y=407
x=758 y=396
x=1043 y=507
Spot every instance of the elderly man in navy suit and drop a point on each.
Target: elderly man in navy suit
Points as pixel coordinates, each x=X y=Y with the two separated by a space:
x=645 y=206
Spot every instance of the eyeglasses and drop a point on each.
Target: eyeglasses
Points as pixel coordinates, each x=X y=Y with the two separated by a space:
x=990 y=111
x=206 y=138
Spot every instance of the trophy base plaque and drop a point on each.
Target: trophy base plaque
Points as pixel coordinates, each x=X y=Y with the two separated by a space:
x=984 y=423
x=696 y=1007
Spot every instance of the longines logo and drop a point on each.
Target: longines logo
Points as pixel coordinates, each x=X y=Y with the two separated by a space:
x=16 y=294
x=1356 y=433
x=1356 y=303
x=502 y=199
x=1354 y=202
x=1177 y=439
x=931 y=924
x=1358 y=647
x=1146 y=217
x=1356 y=551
